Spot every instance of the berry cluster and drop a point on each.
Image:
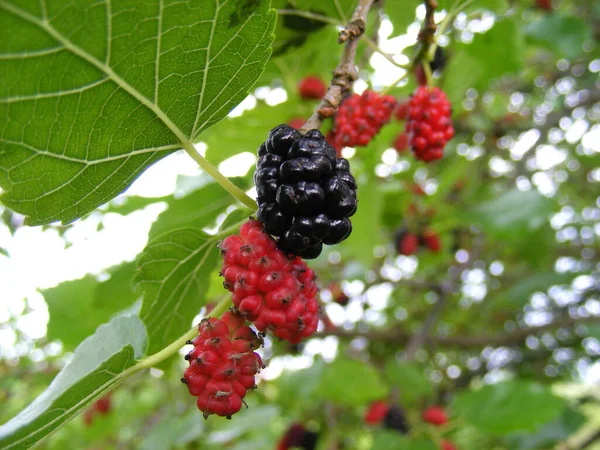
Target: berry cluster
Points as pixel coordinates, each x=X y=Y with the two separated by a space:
x=297 y=436
x=408 y=243
x=271 y=289
x=312 y=88
x=391 y=416
x=429 y=125
x=101 y=406
x=360 y=117
x=305 y=193
x=222 y=364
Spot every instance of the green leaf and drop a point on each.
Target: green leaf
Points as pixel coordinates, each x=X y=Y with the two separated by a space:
x=410 y=376
x=94 y=93
x=246 y=132
x=312 y=58
x=76 y=308
x=401 y=13
x=505 y=39
x=294 y=387
x=197 y=210
x=386 y=439
x=462 y=72
x=513 y=212
x=562 y=33
x=173 y=274
x=174 y=431
x=509 y=406
x=351 y=382
x=98 y=363
x=366 y=223
x=256 y=417
x=293 y=30
x=550 y=434
x=519 y=294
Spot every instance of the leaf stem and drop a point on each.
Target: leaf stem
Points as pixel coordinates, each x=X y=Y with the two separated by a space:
x=225 y=183
x=393 y=85
x=375 y=48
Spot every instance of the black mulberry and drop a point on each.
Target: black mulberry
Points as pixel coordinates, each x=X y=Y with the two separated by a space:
x=306 y=194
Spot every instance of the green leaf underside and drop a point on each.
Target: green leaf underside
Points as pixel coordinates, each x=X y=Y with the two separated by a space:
x=198 y=209
x=351 y=382
x=97 y=364
x=132 y=82
x=78 y=307
x=509 y=406
x=173 y=273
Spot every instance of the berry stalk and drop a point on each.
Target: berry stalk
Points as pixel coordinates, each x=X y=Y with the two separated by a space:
x=235 y=191
x=174 y=347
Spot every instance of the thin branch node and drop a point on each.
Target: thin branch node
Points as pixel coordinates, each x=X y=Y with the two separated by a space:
x=353 y=30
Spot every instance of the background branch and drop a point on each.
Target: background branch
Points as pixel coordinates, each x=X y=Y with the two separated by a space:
x=400 y=336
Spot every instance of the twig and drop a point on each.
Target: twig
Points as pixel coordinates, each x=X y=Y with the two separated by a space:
x=308 y=15
x=374 y=48
x=345 y=73
x=426 y=36
x=417 y=340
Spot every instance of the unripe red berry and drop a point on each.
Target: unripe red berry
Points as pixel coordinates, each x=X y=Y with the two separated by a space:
x=401 y=142
x=407 y=243
x=448 y=445
x=103 y=404
x=401 y=111
x=431 y=240
x=268 y=283
x=222 y=364
x=312 y=88
x=296 y=123
x=544 y=4
x=435 y=415
x=360 y=117
x=429 y=125
x=376 y=412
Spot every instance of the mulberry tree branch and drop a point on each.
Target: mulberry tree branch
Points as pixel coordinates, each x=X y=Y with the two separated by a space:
x=345 y=73
x=516 y=337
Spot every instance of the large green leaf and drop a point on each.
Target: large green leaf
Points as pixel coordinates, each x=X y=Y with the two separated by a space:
x=78 y=307
x=93 y=93
x=351 y=382
x=410 y=378
x=98 y=363
x=550 y=434
x=513 y=212
x=509 y=406
x=174 y=273
x=174 y=431
x=483 y=65
x=519 y=294
x=293 y=30
x=246 y=132
x=565 y=34
x=198 y=209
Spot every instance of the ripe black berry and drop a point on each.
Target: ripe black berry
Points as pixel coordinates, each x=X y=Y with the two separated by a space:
x=306 y=194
